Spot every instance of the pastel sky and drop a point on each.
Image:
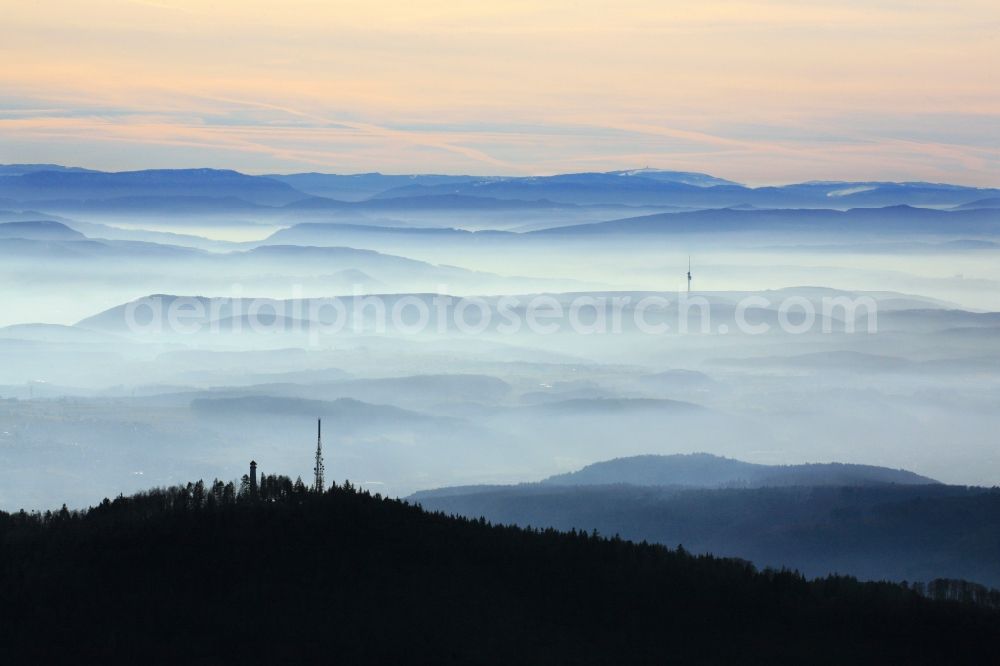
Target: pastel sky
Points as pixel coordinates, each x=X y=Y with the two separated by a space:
x=760 y=92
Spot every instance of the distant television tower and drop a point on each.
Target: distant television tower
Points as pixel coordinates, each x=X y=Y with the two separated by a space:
x=320 y=484
x=689 y=273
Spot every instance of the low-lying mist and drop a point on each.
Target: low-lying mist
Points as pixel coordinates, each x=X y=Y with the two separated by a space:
x=155 y=330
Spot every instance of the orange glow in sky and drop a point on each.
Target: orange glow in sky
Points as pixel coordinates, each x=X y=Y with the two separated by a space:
x=760 y=92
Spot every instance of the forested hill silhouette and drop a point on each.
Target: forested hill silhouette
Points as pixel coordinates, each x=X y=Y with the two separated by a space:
x=707 y=470
x=280 y=574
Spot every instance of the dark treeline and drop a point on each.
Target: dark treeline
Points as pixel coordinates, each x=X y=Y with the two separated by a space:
x=226 y=573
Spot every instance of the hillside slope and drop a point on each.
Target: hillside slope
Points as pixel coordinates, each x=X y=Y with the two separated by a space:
x=875 y=532
x=207 y=576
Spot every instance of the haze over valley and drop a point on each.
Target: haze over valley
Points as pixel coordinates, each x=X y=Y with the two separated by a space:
x=562 y=332
x=160 y=325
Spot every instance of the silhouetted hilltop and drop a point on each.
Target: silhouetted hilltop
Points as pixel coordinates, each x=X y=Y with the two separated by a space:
x=706 y=470
x=215 y=574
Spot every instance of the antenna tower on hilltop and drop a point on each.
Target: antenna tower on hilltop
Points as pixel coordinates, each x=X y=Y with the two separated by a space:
x=320 y=484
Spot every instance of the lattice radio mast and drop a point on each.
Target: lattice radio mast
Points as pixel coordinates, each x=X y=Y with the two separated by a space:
x=320 y=484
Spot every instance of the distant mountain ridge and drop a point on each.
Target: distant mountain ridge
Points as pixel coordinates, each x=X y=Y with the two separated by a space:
x=346 y=412
x=898 y=218
x=360 y=186
x=872 y=522
x=857 y=223
x=699 y=190
x=86 y=185
x=39 y=230
x=708 y=471
x=52 y=241
x=650 y=187
x=21 y=169
x=114 y=319
x=875 y=532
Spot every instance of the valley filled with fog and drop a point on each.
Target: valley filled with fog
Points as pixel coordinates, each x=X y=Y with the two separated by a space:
x=157 y=327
